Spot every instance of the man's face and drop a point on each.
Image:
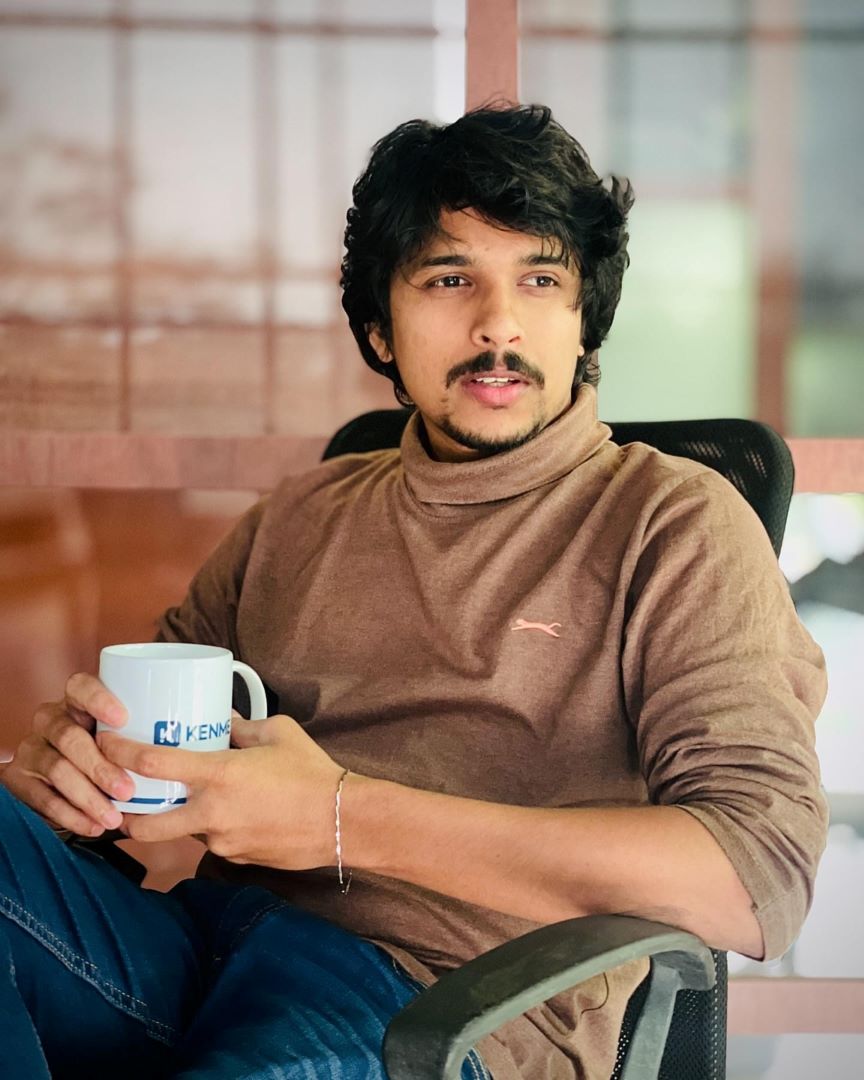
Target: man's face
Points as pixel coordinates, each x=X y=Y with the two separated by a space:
x=486 y=334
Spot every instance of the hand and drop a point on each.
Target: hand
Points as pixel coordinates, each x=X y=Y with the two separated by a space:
x=58 y=769
x=270 y=801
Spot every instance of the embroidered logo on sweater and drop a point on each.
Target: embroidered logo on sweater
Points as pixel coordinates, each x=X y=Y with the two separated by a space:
x=551 y=628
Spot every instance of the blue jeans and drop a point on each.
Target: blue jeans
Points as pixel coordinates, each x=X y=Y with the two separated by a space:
x=101 y=978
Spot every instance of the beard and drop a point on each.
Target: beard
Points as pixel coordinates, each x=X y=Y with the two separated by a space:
x=487 y=447
x=480 y=365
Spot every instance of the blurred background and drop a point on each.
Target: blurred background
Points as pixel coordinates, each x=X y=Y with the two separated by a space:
x=174 y=176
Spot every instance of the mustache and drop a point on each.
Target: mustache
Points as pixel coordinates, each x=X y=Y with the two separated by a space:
x=485 y=362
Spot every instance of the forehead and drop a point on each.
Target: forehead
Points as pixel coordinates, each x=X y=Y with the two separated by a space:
x=466 y=233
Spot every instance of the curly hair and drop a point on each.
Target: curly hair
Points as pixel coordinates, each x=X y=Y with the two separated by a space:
x=515 y=167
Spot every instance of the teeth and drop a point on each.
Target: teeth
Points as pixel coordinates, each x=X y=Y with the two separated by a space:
x=495 y=382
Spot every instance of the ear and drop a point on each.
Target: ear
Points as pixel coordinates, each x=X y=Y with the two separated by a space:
x=382 y=349
x=580 y=352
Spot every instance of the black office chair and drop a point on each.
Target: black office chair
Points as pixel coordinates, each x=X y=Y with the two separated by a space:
x=675 y=1024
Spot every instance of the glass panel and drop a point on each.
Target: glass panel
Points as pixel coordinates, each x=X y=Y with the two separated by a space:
x=420 y=13
x=840 y=15
x=309 y=147
x=370 y=107
x=827 y=356
x=60 y=379
x=30 y=291
x=196 y=9
x=681 y=14
x=676 y=351
x=194 y=209
x=824 y=559
x=242 y=149
x=198 y=382
x=310 y=299
x=676 y=117
x=583 y=67
x=325 y=368
x=190 y=292
x=564 y=14
x=794 y=1057
x=686 y=100
x=669 y=114
x=649 y=17
x=47 y=8
x=325 y=142
x=830 y=945
x=56 y=208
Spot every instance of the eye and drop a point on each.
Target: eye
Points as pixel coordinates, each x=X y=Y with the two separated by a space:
x=449 y=281
x=543 y=281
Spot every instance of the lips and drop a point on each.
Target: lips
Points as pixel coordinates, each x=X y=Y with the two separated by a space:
x=495 y=389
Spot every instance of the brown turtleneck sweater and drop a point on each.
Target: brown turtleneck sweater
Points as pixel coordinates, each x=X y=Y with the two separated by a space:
x=381 y=596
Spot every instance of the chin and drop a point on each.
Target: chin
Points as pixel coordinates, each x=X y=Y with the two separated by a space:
x=493 y=440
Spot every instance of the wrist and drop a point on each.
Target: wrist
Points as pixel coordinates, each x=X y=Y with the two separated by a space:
x=363 y=822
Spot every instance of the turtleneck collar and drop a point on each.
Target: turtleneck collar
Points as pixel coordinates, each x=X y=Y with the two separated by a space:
x=557 y=450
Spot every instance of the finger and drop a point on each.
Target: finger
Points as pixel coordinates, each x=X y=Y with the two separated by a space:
x=169 y=825
x=246 y=733
x=162 y=762
x=49 y=804
x=78 y=745
x=71 y=786
x=90 y=697
x=48 y=712
x=58 y=811
x=38 y=761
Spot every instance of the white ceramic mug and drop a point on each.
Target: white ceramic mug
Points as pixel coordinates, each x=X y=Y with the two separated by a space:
x=176 y=695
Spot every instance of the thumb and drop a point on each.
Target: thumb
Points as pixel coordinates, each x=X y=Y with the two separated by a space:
x=246 y=733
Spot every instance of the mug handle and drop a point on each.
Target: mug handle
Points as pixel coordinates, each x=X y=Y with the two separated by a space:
x=257 y=695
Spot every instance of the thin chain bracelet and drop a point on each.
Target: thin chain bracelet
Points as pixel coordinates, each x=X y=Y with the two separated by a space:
x=344 y=882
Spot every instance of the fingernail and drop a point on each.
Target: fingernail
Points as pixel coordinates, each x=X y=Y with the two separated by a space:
x=95 y=830
x=113 y=819
x=114 y=714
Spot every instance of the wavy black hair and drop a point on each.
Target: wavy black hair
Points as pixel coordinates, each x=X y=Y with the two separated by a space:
x=514 y=166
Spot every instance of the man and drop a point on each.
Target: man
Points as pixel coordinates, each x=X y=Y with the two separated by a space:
x=522 y=674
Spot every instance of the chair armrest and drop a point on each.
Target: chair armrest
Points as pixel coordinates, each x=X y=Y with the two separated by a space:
x=430 y=1037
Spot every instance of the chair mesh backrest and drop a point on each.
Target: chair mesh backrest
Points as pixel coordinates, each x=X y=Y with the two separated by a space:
x=757 y=461
x=380 y=429
x=750 y=455
x=696 y=1043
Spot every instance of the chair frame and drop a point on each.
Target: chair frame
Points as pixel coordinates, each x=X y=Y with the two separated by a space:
x=430 y=1038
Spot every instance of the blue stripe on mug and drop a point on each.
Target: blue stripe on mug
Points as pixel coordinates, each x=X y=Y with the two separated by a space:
x=155 y=802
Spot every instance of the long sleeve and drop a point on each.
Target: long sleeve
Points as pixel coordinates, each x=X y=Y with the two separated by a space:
x=208 y=613
x=723 y=684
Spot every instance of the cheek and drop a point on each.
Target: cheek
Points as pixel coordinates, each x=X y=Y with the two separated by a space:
x=419 y=347
x=560 y=369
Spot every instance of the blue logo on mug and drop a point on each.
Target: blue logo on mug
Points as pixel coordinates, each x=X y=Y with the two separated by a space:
x=167 y=733
x=203 y=732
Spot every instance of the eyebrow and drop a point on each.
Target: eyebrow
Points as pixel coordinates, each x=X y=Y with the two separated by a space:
x=452 y=259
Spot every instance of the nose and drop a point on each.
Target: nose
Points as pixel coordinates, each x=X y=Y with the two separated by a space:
x=496 y=323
